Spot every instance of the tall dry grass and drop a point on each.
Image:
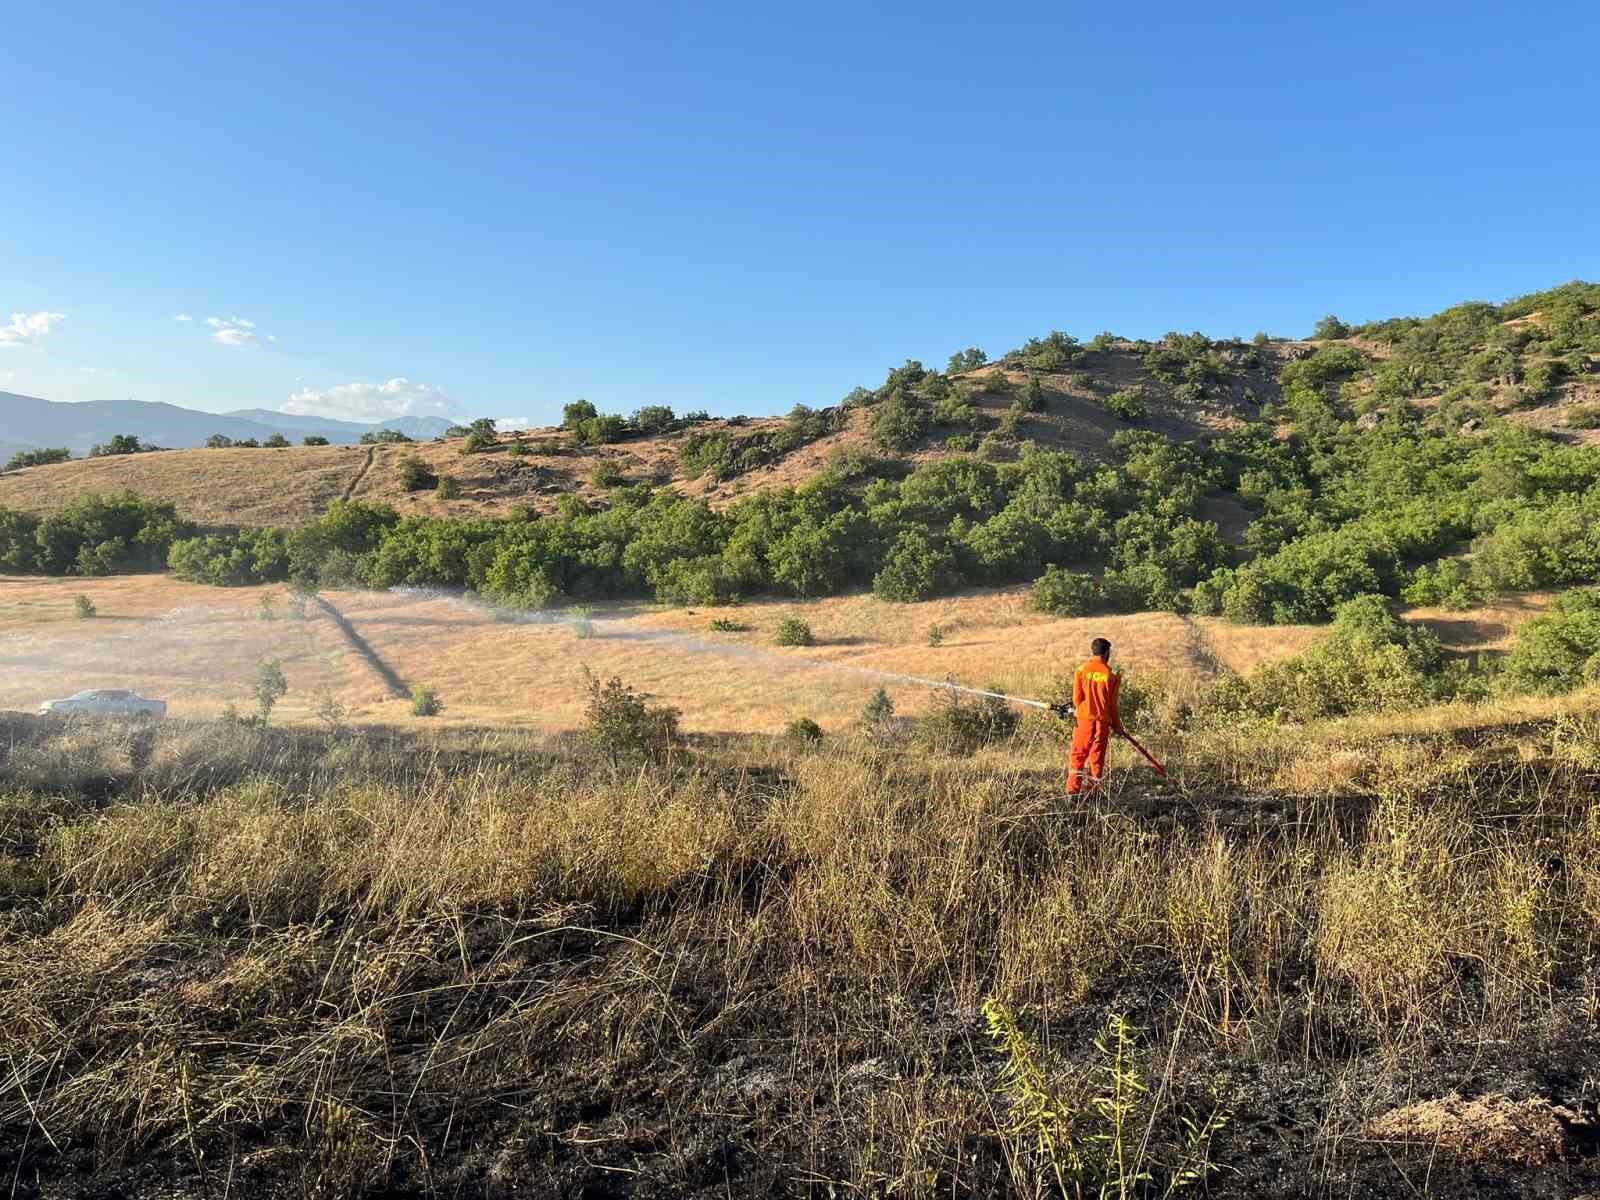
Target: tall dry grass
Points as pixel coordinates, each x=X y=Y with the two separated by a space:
x=478 y=962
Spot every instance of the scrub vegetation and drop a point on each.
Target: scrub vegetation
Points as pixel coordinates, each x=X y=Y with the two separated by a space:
x=346 y=961
x=1391 y=460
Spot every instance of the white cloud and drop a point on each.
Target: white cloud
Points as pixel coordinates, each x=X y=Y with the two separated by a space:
x=399 y=397
x=183 y=317
x=512 y=424
x=26 y=329
x=233 y=331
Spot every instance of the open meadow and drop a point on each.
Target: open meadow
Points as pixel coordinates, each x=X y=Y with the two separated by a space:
x=198 y=648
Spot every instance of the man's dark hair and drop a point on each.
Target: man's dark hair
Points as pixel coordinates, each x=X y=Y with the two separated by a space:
x=1100 y=647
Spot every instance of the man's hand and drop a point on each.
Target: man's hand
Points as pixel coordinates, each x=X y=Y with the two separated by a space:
x=1061 y=710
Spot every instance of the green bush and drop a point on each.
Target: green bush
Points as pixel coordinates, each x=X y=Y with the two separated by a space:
x=899 y=422
x=1127 y=405
x=384 y=437
x=1447 y=584
x=606 y=474
x=250 y=556
x=727 y=625
x=1583 y=416
x=122 y=443
x=425 y=701
x=1064 y=593
x=804 y=730
x=878 y=711
x=916 y=568
x=1032 y=399
x=653 y=419
x=92 y=535
x=706 y=452
x=38 y=458
x=83 y=607
x=575 y=414
x=478 y=441
x=601 y=430
x=621 y=726
x=277 y=442
x=959 y=725
x=1559 y=650
x=270 y=687
x=415 y=475
x=314 y=439
x=448 y=488
x=792 y=631
x=1369 y=661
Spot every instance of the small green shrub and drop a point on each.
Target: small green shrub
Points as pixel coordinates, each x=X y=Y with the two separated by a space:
x=653 y=419
x=83 y=607
x=581 y=622
x=314 y=439
x=606 y=474
x=1032 y=399
x=935 y=636
x=425 y=701
x=415 y=476
x=1127 y=405
x=448 y=488
x=727 y=625
x=276 y=442
x=805 y=730
x=1100 y=1129
x=792 y=631
x=620 y=725
x=270 y=687
x=1559 y=650
x=878 y=713
x=959 y=725
x=899 y=422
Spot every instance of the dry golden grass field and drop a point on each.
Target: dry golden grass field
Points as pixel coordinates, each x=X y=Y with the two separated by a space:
x=197 y=647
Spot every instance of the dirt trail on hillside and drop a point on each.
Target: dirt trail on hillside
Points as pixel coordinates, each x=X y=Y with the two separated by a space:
x=350 y=490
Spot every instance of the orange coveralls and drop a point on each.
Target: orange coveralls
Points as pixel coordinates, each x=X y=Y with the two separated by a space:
x=1094 y=697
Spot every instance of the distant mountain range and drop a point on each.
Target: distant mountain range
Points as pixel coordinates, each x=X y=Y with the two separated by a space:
x=27 y=423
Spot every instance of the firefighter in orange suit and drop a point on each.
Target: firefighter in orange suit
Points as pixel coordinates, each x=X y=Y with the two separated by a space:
x=1095 y=689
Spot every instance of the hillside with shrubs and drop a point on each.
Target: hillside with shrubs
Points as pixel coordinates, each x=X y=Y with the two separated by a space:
x=1439 y=461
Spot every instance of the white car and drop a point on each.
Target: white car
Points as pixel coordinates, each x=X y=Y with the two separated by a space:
x=106 y=702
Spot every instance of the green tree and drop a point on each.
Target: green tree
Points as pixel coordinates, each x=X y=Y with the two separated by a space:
x=575 y=414
x=121 y=443
x=270 y=687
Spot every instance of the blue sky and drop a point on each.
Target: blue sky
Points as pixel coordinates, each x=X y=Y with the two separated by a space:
x=493 y=210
